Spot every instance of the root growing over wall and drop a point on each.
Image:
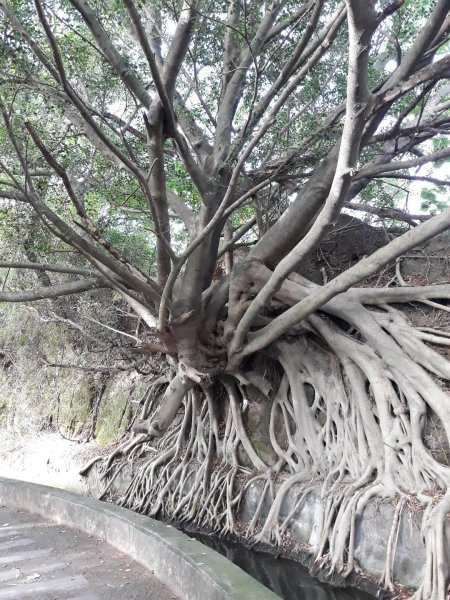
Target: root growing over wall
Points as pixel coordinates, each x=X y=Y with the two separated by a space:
x=349 y=406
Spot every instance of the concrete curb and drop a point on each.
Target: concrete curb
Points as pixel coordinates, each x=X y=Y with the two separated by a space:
x=185 y=566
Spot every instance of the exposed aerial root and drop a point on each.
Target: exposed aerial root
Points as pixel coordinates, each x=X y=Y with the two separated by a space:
x=386 y=579
x=437 y=569
x=346 y=423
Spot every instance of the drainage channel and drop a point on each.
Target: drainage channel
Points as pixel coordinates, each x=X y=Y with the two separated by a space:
x=287 y=578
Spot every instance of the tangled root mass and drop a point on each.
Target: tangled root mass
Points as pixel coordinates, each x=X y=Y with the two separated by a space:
x=349 y=399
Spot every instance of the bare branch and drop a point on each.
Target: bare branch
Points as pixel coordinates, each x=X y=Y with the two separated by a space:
x=311 y=57
x=99 y=369
x=55 y=291
x=399 y=294
x=86 y=222
x=231 y=94
x=387 y=213
x=436 y=70
x=182 y=210
x=46 y=267
x=293 y=19
x=110 y=52
x=409 y=177
x=416 y=133
x=372 y=170
x=421 y=44
x=237 y=236
x=125 y=126
x=93 y=254
x=76 y=100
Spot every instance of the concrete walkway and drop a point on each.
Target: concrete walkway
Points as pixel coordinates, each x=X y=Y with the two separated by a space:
x=40 y=560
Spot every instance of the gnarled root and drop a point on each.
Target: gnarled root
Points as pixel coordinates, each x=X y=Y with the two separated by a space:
x=437 y=568
x=349 y=403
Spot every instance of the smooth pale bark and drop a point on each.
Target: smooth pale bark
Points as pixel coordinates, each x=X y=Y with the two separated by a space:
x=362 y=24
x=54 y=291
x=46 y=267
x=364 y=268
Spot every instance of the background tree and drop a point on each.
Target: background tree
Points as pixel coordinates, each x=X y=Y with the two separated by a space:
x=153 y=139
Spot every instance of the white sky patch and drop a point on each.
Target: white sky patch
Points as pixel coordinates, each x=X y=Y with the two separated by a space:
x=415 y=200
x=390 y=66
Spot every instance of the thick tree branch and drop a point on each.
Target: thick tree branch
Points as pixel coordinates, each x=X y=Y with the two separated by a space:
x=436 y=70
x=361 y=20
x=372 y=170
x=182 y=210
x=363 y=269
x=122 y=69
x=377 y=296
x=55 y=291
x=179 y=45
x=165 y=81
x=303 y=211
x=12 y=195
x=163 y=94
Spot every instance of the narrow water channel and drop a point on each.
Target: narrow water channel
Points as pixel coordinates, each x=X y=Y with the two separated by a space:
x=285 y=577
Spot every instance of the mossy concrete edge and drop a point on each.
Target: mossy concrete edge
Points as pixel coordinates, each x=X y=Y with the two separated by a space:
x=190 y=569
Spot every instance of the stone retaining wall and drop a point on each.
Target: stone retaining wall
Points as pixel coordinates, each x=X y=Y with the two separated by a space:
x=372 y=531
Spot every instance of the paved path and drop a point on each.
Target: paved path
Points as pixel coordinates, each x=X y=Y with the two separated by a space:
x=40 y=560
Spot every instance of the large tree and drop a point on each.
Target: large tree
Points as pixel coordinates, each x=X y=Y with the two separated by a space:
x=156 y=138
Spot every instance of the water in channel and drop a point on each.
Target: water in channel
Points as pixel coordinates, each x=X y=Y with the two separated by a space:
x=285 y=577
